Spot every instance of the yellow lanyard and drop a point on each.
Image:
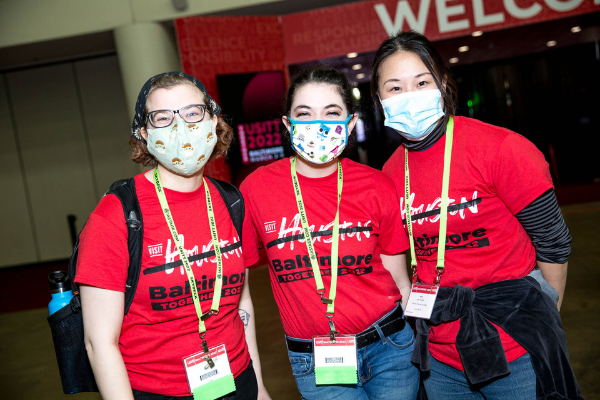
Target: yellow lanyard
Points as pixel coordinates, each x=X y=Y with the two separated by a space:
x=214 y=309
x=443 y=208
x=335 y=239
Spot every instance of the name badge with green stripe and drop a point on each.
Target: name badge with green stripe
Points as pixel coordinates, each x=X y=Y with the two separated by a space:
x=335 y=362
x=209 y=382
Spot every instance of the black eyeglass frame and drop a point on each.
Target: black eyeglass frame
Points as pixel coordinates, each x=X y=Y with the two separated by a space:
x=173 y=112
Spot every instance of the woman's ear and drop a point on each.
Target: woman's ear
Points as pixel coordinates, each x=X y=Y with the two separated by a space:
x=144 y=134
x=287 y=123
x=352 y=123
x=215 y=120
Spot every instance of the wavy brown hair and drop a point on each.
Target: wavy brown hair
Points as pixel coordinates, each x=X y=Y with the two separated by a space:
x=224 y=132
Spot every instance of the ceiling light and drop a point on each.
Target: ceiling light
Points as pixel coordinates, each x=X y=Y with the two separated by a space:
x=462 y=49
x=576 y=29
x=360 y=76
x=356 y=67
x=453 y=60
x=476 y=33
x=352 y=55
x=551 y=43
x=180 y=5
x=356 y=93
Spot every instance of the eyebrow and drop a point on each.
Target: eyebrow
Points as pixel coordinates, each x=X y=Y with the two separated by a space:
x=326 y=107
x=416 y=76
x=302 y=106
x=193 y=104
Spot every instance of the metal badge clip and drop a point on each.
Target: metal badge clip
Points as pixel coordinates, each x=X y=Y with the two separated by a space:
x=209 y=360
x=438 y=278
x=324 y=299
x=332 y=331
x=208 y=314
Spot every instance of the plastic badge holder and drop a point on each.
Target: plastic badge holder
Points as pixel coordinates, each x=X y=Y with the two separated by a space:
x=208 y=382
x=335 y=362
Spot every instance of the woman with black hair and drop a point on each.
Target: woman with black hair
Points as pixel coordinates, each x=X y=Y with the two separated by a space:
x=486 y=233
x=339 y=292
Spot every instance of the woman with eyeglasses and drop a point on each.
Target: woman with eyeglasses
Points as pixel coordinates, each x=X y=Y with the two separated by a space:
x=190 y=328
x=488 y=237
x=339 y=292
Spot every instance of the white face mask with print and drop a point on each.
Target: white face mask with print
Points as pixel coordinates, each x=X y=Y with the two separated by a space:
x=319 y=141
x=183 y=147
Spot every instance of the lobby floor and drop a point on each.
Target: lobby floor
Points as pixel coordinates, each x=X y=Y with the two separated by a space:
x=28 y=367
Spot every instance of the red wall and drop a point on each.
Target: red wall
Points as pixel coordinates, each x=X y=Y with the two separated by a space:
x=211 y=46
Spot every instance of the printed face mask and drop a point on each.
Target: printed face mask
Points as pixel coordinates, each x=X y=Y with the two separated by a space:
x=319 y=141
x=183 y=147
x=413 y=114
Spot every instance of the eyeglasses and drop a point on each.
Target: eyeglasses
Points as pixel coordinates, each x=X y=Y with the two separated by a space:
x=164 y=118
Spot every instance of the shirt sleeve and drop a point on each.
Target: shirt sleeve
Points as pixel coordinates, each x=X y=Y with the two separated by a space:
x=392 y=237
x=103 y=258
x=386 y=168
x=545 y=225
x=520 y=173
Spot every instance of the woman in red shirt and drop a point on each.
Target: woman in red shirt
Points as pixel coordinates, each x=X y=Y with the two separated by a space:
x=146 y=354
x=345 y=331
x=486 y=229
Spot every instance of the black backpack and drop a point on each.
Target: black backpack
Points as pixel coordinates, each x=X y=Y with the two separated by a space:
x=67 y=323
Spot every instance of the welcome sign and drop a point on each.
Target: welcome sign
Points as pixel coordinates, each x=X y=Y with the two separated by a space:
x=361 y=27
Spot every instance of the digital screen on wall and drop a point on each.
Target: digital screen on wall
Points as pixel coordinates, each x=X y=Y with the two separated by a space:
x=253 y=104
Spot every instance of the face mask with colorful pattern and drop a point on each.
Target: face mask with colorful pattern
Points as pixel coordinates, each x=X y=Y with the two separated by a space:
x=183 y=147
x=319 y=141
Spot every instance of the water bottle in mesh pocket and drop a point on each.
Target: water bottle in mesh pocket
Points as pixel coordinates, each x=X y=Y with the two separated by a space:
x=67 y=333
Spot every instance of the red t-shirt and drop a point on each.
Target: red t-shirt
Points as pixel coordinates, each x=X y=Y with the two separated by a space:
x=494 y=174
x=369 y=222
x=161 y=326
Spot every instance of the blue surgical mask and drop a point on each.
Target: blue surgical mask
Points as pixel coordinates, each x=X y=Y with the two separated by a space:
x=413 y=114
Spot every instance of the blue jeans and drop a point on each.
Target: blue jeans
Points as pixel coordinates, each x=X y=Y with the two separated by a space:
x=448 y=383
x=384 y=372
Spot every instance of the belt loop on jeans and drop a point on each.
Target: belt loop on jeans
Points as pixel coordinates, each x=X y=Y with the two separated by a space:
x=380 y=332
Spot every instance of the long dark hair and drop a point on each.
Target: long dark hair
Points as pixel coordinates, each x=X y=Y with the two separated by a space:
x=328 y=76
x=419 y=45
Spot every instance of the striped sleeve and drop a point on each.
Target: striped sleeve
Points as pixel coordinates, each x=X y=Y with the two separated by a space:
x=543 y=222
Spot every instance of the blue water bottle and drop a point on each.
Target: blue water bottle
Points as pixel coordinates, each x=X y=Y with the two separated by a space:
x=60 y=288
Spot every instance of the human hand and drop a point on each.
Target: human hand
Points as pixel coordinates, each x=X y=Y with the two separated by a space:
x=263 y=394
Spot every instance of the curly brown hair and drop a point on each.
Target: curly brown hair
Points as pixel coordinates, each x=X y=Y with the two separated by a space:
x=224 y=132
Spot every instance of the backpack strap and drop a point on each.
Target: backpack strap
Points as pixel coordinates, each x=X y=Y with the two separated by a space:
x=73 y=264
x=125 y=190
x=234 y=201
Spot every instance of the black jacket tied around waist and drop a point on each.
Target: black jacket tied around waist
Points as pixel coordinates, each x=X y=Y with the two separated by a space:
x=527 y=315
